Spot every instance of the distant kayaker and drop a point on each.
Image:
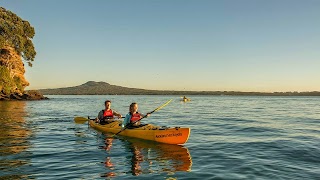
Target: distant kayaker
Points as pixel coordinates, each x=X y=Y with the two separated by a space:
x=133 y=116
x=185 y=99
x=106 y=115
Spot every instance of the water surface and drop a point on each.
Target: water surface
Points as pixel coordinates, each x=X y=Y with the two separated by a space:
x=232 y=137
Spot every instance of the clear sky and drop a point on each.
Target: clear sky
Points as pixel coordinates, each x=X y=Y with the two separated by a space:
x=242 y=45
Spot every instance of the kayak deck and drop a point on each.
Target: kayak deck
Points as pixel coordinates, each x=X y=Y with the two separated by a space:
x=150 y=132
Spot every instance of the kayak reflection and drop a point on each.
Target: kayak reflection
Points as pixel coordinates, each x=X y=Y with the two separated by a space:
x=108 y=164
x=149 y=157
x=144 y=157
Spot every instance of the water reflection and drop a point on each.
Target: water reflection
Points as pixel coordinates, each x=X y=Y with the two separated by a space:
x=108 y=164
x=145 y=157
x=137 y=158
x=148 y=157
x=13 y=138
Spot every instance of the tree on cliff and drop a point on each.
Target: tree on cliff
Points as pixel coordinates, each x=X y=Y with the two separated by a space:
x=15 y=42
x=16 y=33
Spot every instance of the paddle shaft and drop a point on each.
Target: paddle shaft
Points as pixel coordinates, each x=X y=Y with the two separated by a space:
x=132 y=123
x=82 y=120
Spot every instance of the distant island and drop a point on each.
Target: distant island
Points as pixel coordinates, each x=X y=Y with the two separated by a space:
x=104 y=88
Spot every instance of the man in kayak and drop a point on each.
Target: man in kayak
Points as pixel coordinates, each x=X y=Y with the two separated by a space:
x=185 y=99
x=133 y=116
x=106 y=115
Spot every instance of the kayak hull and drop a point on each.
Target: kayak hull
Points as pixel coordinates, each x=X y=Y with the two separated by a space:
x=149 y=132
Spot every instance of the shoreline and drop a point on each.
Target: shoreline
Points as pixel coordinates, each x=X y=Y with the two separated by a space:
x=262 y=95
x=31 y=95
x=104 y=88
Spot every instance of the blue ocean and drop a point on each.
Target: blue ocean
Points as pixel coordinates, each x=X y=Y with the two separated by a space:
x=232 y=137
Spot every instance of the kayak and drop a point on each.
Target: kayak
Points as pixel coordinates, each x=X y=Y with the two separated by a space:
x=176 y=135
x=185 y=100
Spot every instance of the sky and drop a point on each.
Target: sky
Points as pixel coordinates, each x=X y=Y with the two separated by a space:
x=197 y=45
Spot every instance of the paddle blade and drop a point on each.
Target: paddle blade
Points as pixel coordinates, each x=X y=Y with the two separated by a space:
x=80 y=120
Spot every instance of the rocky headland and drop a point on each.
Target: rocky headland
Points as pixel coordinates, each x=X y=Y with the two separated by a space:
x=16 y=48
x=13 y=82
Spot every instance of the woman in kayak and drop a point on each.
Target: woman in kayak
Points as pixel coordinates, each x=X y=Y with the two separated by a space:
x=106 y=115
x=133 y=116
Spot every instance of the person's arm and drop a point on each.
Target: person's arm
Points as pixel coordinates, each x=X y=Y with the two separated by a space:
x=126 y=120
x=100 y=116
x=142 y=115
x=115 y=113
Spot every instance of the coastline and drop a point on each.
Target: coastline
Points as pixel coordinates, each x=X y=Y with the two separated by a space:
x=104 y=88
x=202 y=94
x=30 y=95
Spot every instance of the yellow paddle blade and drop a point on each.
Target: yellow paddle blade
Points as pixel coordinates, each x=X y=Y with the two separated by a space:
x=80 y=120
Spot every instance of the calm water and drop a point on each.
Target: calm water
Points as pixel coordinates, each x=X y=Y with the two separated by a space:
x=231 y=138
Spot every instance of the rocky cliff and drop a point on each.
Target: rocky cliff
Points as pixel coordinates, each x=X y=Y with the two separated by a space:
x=12 y=80
x=15 y=45
x=13 y=68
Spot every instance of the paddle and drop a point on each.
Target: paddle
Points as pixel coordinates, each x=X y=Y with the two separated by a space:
x=82 y=120
x=158 y=108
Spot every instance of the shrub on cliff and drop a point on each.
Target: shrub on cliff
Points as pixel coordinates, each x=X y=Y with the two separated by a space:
x=6 y=83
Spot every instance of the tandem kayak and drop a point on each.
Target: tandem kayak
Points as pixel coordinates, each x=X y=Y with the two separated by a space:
x=176 y=135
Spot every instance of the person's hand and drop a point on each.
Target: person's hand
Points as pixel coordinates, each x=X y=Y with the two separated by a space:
x=119 y=116
x=148 y=114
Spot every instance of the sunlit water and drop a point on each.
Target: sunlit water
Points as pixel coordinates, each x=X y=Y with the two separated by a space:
x=231 y=138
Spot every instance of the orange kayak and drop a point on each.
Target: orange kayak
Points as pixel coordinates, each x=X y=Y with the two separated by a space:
x=150 y=132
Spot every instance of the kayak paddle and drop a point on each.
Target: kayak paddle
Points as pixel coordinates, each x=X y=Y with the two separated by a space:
x=158 y=108
x=82 y=120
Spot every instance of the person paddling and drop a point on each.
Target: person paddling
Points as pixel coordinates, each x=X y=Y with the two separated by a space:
x=133 y=116
x=106 y=115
